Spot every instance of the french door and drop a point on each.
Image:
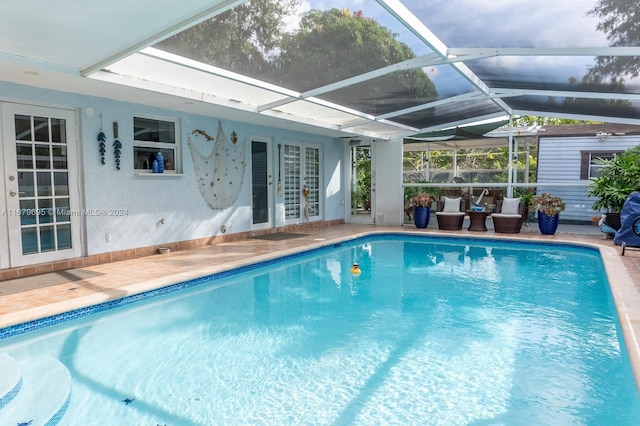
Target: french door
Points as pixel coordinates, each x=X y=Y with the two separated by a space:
x=41 y=195
x=261 y=183
x=302 y=183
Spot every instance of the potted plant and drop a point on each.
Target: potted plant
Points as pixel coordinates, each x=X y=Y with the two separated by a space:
x=618 y=178
x=421 y=204
x=526 y=195
x=548 y=208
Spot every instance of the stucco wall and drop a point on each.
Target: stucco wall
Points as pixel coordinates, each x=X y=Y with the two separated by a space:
x=389 y=192
x=143 y=201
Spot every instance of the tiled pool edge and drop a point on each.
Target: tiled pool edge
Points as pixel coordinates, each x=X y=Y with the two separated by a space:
x=627 y=303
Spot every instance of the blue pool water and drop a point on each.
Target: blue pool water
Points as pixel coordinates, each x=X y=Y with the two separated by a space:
x=434 y=330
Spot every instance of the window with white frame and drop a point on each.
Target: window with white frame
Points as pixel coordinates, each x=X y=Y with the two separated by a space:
x=593 y=161
x=150 y=136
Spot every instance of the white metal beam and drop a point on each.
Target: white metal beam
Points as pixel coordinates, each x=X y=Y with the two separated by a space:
x=413 y=24
x=507 y=93
x=401 y=66
x=487 y=117
x=213 y=9
x=409 y=64
x=459 y=98
x=465 y=54
x=210 y=69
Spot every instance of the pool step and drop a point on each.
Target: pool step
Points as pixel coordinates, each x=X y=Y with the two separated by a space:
x=43 y=396
x=10 y=379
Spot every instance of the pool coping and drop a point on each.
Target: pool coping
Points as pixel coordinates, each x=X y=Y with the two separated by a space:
x=625 y=295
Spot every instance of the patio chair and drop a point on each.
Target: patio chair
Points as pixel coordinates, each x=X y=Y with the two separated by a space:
x=508 y=216
x=450 y=213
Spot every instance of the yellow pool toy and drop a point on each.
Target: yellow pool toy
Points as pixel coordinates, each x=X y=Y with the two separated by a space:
x=355 y=269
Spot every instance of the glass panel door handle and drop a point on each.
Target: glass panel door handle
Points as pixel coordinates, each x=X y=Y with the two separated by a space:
x=14 y=193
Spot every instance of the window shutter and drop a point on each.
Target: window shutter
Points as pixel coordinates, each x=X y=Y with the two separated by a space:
x=584 y=165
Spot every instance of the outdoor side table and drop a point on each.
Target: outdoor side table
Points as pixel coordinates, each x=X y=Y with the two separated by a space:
x=477 y=220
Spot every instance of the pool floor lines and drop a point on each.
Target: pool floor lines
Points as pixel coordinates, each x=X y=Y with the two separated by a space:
x=36 y=392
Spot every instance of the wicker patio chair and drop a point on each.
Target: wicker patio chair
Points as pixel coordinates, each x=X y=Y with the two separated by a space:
x=450 y=213
x=510 y=220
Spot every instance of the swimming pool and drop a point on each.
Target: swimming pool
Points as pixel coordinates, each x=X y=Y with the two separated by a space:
x=433 y=331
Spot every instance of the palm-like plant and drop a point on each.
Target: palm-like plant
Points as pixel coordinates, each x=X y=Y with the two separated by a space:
x=620 y=177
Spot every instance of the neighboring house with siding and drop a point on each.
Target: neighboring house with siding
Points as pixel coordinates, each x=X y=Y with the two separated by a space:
x=567 y=153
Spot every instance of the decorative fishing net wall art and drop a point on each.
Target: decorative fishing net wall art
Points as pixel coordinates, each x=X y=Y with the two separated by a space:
x=220 y=175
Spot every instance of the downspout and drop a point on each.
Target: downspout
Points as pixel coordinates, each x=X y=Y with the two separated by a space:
x=427 y=166
x=455 y=162
x=515 y=162
x=510 y=165
x=527 y=162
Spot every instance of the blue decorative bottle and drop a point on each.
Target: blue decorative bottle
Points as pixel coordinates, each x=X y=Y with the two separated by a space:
x=160 y=159
x=154 y=166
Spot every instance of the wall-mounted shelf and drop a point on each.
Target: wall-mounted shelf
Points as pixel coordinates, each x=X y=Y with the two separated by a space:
x=158 y=174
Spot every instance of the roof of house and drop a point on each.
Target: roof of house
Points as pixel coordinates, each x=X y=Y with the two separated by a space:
x=570 y=130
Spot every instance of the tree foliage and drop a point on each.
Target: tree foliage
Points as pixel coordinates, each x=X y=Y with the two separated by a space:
x=619 y=178
x=337 y=44
x=242 y=39
x=326 y=47
x=531 y=120
x=490 y=163
x=620 y=21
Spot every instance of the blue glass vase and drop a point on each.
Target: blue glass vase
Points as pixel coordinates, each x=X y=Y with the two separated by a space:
x=160 y=159
x=548 y=224
x=421 y=216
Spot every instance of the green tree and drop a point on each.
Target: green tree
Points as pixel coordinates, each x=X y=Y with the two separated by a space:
x=328 y=46
x=620 y=21
x=242 y=39
x=336 y=44
x=530 y=120
x=619 y=178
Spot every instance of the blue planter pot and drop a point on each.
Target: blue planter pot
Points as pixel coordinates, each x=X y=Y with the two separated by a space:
x=421 y=216
x=548 y=224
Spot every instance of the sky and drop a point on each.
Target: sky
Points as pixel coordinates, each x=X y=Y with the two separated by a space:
x=495 y=24
x=498 y=23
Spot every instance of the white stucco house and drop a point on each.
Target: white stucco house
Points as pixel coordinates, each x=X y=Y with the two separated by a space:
x=68 y=203
x=90 y=95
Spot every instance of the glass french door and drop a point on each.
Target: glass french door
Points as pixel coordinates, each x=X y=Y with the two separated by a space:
x=292 y=184
x=41 y=192
x=312 y=182
x=261 y=184
x=302 y=183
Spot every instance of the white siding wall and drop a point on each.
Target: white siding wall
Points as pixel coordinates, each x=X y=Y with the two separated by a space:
x=559 y=161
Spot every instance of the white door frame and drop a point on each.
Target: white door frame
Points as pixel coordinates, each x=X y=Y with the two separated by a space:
x=10 y=228
x=360 y=218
